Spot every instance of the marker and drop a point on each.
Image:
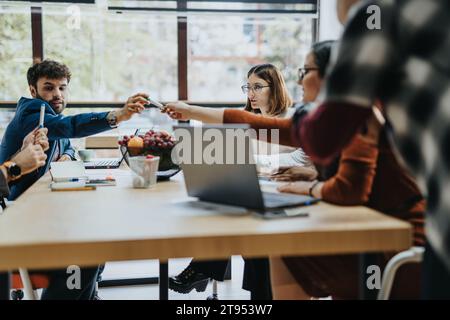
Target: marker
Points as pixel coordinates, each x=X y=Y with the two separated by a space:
x=41 y=116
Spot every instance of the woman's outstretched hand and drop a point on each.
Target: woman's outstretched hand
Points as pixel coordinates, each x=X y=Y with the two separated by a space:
x=178 y=110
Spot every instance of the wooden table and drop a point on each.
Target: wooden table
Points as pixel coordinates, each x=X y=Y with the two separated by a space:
x=45 y=229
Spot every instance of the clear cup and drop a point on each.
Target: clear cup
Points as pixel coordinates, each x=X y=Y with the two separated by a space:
x=144 y=171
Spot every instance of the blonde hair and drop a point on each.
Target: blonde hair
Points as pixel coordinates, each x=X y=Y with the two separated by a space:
x=280 y=99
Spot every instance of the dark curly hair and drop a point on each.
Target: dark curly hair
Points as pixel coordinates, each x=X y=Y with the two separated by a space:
x=47 y=68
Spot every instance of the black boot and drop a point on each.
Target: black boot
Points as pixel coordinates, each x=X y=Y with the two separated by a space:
x=188 y=280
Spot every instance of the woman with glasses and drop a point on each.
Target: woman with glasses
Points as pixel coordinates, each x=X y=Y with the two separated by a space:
x=266 y=91
x=267 y=95
x=365 y=173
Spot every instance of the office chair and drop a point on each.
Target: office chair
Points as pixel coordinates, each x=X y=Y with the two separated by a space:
x=214 y=295
x=415 y=254
x=22 y=283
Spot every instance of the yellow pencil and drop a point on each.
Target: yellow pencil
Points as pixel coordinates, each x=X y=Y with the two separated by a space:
x=77 y=189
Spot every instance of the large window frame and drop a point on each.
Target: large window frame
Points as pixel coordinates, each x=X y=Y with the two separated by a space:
x=182 y=12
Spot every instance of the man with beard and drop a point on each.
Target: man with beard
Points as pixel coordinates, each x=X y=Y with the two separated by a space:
x=48 y=82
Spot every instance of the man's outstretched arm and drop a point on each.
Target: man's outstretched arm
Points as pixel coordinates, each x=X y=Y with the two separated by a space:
x=81 y=125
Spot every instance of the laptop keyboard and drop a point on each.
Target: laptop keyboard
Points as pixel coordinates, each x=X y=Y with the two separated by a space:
x=101 y=163
x=107 y=163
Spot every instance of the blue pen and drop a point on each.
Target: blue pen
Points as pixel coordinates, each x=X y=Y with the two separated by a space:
x=41 y=116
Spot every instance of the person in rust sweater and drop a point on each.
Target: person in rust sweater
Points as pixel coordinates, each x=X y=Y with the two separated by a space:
x=368 y=174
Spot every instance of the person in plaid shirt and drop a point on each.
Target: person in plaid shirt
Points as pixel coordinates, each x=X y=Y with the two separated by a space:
x=405 y=64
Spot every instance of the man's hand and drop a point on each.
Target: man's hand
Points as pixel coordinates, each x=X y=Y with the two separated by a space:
x=64 y=157
x=30 y=158
x=37 y=136
x=134 y=104
x=178 y=110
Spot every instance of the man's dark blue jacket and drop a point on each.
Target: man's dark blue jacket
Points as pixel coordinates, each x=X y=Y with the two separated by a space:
x=60 y=129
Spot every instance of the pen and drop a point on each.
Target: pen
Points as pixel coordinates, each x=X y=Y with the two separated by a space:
x=41 y=116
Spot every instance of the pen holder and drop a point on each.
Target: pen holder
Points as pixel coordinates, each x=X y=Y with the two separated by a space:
x=144 y=171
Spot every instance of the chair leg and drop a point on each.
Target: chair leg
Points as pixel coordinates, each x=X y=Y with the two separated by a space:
x=214 y=295
x=27 y=285
x=414 y=254
x=17 y=294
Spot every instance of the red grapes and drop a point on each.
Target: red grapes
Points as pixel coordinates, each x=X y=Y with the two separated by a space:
x=153 y=140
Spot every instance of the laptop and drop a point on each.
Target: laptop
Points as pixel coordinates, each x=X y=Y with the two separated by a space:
x=104 y=163
x=227 y=183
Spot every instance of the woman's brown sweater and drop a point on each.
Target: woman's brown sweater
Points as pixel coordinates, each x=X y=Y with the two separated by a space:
x=368 y=174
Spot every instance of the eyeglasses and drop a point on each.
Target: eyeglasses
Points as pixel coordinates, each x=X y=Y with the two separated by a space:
x=302 y=72
x=257 y=88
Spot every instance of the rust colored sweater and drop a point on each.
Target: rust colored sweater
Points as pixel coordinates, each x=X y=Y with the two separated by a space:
x=257 y=121
x=367 y=174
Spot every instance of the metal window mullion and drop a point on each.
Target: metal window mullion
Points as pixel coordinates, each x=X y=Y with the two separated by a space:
x=182 y=53
x=36 y=34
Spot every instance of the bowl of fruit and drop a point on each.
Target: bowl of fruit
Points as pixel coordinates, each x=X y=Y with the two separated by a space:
x=158 y=143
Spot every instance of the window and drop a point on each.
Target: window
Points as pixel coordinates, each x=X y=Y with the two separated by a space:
x=15 y=57
x=115 y=48
x=15 y=51
x=222 y=51
x=112 y=55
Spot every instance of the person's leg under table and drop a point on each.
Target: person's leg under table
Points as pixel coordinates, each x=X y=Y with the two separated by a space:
x=366 y=260
x=257 y=278
x=5 y=285
x=435 y=276
x=163 y=280
x=65 y=284
x=197 y=275
x=338 y=276
x=214 y=269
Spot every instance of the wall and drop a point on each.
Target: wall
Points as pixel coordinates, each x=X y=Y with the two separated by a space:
x=329 y=26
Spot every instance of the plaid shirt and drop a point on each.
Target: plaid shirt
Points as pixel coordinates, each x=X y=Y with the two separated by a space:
x=406 y=64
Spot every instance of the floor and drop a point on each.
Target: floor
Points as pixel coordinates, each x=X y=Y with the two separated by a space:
x=227 y=290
